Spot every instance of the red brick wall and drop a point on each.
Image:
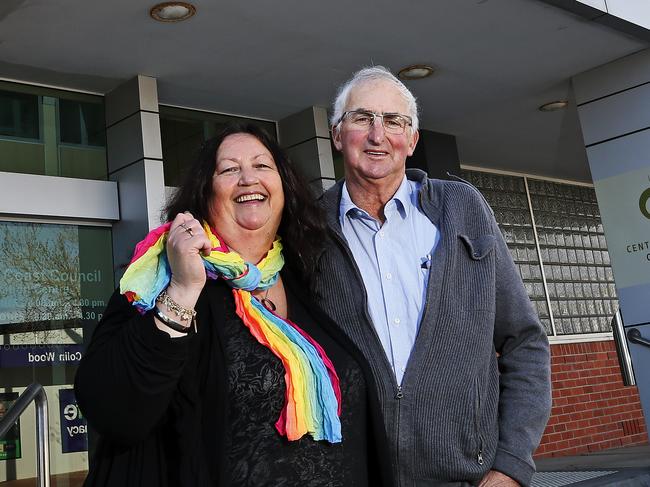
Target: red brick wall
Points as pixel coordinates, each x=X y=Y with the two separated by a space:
x=592 y=409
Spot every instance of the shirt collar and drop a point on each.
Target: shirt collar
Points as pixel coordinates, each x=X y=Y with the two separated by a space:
x=403 y=199
x=346 y=202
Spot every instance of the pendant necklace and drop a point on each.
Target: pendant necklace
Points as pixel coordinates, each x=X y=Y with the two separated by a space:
x=266 y=302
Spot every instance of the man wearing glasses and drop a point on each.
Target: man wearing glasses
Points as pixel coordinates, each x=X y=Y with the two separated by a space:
x=418 y=275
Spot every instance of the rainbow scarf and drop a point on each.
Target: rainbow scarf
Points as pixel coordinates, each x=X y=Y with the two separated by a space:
x=312 y=396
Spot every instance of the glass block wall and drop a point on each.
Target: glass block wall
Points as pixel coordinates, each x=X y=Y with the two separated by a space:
x=576 y=262
x=574 y=275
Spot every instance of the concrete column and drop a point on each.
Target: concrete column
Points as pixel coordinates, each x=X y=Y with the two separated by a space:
x=134 y=152
x=614 y=109
x=436 y=154
x=306 y=138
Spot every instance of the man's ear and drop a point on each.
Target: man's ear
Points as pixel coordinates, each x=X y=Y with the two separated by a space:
x=336 y=137
x=413 y=141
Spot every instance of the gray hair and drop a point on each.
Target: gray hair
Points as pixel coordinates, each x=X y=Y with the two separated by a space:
x=366 y=75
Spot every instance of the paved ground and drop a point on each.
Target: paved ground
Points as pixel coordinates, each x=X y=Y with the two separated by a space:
x=624 y=467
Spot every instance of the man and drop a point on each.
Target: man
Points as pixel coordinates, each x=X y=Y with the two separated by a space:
x=418 y=275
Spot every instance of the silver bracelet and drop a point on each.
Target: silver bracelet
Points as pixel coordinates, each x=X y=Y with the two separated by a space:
x=174 y=325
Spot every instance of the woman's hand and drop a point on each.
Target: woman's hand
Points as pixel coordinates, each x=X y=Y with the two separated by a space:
x=185 y=244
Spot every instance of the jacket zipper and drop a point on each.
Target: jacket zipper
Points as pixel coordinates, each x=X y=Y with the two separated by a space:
x=477 y=422
x=399 y=396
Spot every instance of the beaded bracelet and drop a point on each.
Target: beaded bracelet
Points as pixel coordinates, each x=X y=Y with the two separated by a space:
x=185 y=314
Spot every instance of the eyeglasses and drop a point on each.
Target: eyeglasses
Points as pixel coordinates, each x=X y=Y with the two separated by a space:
x=394 y=123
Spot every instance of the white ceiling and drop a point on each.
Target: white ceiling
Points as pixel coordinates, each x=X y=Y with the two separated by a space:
x=497 y=61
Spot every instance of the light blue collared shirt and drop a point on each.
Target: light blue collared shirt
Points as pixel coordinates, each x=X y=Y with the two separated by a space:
x=394 y=260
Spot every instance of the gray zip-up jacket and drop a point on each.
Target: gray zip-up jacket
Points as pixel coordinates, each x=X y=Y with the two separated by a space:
x=476 y=392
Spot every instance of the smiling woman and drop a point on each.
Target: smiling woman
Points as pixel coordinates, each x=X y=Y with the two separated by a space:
x=234 y=375
x=248 y=195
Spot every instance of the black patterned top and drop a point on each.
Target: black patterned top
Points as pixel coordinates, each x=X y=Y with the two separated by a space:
x=258 y=455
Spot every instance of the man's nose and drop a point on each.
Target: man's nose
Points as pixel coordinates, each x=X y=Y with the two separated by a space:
x=376 y=131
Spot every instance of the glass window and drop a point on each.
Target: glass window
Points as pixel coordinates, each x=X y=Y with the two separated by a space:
x=19 y=115
x=82 y=123
x=56 y=282
x=51 y=132
x=183 y=131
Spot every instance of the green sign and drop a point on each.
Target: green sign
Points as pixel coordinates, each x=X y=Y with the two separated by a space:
x=10 y=444
x=643 y=203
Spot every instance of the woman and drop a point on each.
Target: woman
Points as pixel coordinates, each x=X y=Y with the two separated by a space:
x=198 y=381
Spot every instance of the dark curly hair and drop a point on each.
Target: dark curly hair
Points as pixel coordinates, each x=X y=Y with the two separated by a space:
x=302 y=227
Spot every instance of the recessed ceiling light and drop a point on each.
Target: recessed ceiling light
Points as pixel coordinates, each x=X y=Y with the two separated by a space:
x=172 y=11
x=416 y=71
x=554 y=105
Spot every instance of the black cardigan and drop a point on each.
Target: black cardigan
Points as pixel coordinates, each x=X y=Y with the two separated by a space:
x=134 y=379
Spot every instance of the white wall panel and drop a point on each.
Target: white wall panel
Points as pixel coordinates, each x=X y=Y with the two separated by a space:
x=51 y=196
x=615 y=115
x=616 y=76
x=619 y=155
x=635 y=11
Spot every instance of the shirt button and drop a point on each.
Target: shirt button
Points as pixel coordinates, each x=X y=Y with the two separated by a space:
x=381 y=234
x=397 y=321
x=389 y=276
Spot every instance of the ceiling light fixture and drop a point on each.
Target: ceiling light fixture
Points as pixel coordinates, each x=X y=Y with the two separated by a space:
x=416 y=71
x=554 y=106
x=172 y=11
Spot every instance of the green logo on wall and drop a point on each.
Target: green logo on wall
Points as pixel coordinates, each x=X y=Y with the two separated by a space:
x=643 y=203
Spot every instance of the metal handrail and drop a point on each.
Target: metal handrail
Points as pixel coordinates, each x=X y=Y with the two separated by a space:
x=36 y=393
x=634 y=335
x=622 y=350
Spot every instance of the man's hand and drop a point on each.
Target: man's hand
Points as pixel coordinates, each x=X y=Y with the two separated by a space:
x=497 y=479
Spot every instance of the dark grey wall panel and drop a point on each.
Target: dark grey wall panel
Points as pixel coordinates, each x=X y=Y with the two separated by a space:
x=437 y=154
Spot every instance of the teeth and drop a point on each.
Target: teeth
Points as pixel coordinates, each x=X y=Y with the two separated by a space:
x=249 y=197
x=376 y=153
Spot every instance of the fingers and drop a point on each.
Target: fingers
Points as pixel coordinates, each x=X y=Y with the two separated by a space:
x=187 y=229
x=184 y=222
x=185 y=242
x=184 y=228
x=207 y=247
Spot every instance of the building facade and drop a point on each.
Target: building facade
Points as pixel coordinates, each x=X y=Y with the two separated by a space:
x=84 y=174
